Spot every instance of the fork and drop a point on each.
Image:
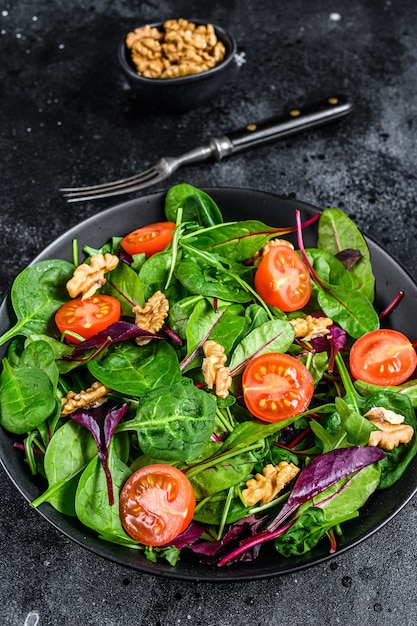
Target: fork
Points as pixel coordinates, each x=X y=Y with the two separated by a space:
x=252 y=135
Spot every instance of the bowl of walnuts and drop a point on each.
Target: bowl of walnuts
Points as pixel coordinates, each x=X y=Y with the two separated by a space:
x=177 y=65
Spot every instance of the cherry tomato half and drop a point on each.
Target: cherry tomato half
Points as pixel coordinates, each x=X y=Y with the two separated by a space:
x=276 y=387
x=87 y=317
x=382 y=357
x=148 y=239
x=282 y=279
x=156 y=504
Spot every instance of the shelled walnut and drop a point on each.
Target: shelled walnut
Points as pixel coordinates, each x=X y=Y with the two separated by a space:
x=91 y=397
x=151 y=317
x=265 y=487
x=88 y=277
x=391 y=429
x=181 y=49
x=215 y=373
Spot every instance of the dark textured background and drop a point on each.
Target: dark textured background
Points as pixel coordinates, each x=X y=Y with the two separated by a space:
x=67 y=117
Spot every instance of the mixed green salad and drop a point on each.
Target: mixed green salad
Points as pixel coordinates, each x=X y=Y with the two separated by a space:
x=197 y=388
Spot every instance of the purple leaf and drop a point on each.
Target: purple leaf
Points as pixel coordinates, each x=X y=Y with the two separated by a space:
x=101 y=422
x=208 y=551
x=191 y=534
x=348 y=257
x=116 y=332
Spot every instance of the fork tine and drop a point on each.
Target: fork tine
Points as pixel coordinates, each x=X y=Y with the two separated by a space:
x=123 y=183
x=115 y=190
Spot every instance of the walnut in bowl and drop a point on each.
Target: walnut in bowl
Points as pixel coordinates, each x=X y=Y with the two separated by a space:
x=177 y=65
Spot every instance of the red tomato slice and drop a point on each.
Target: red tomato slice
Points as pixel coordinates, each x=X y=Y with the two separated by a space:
x=87 y=317
x=276 y=387
x=148 y=239
x=382 y=357
x=157 y=504
x=282 y=279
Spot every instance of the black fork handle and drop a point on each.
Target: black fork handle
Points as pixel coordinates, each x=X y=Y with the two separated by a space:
x=295 y=121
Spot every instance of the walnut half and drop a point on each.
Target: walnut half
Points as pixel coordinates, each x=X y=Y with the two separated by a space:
x=87 y=278
x=91 y=397
x=216 y=374
x=265 y=487
x=391 y=429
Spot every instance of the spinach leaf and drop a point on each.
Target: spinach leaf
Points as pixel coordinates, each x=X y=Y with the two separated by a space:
x=222 y=475
x=271 y=336
x=36 y=295
x=91 y=500
x=124 y=284
x=197 y=205
x=210 y=282
x=337 y=232
x=68 y=453
x=27 y=398
x=133 y=370
x=174 y=422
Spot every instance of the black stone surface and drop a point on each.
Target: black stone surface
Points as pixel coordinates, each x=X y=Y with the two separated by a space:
x=67 y=117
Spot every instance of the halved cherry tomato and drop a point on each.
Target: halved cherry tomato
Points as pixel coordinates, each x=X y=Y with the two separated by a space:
x=148 y=239
x=87 y=317
x=382 y=357
x=157 y=504
x=276 y=386
x=282 y=279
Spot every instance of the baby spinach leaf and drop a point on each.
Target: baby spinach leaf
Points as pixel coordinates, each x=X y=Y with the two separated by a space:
x=36 y=295
x=134 y=370
x=174 y=422
x=271 y=336
x=328 y=267
x=154 y=273
x=209 y=282
x=91 y=502
x=124 y=284
x=27 y=398
x=40 y=354
x=180 y=312
x=68 y=453
x=197 y=205
x=337 y=232
x=222 y=475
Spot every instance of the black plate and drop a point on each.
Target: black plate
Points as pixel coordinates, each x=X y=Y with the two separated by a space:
x=236 y=204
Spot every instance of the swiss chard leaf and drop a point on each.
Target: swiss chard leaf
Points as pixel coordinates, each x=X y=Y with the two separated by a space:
x=337 y=232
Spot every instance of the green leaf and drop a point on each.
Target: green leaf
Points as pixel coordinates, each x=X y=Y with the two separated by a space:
x=36 y=295
x=272 y=336
x=174 y=422
x=27 y=398
x=197 y=205
x=134 y=370
x=337 y=232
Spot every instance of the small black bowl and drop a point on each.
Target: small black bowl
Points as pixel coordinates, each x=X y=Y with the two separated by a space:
x=184 y=93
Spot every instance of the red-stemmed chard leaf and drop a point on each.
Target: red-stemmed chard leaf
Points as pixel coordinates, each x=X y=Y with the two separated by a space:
x=101 y=421
x=322 y=472
x=348 y=257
